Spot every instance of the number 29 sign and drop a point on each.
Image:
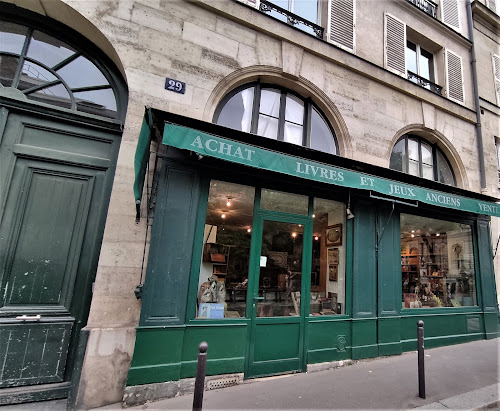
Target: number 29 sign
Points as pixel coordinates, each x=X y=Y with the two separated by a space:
x=175 y=85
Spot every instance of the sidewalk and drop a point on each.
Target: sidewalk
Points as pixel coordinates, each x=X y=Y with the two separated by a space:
x=464 y=376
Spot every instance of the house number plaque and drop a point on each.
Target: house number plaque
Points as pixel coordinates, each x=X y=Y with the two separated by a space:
x=175 y=85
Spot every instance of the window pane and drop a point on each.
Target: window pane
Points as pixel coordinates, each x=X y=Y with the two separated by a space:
x=82 y=73
x=328 y=258
x=427 y=172
x=12 y=37
x=397 y=161
x=47 y=49
x=284 y=202
x=33 y=75
x=270 y=103
x=237 y=112
x=426 y=154
x=322 y=138
x=425 y=65
x=307 y=9
x=100 y=102
x=268 y=127
x=293 y=133
x=223 y=278
x=437 y=263
x=56 y=95
x=8 y=66
x=280 y=269
x=413 y=168
x=411 y=57
x=413 y=149
x=294 y=110
x=445 y=174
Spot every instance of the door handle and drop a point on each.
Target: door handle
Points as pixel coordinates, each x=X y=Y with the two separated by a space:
x=259 y=298
x=29 y=317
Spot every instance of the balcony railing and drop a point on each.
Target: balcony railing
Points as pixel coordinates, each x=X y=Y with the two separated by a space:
x=423 y=82
x=291 y=18
x=427 y=6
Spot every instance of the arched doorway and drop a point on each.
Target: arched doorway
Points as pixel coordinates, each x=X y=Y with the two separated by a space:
x=62 y=104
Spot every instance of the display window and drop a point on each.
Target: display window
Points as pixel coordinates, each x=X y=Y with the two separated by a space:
x=298 y=237
x=437 y=263
x=328 y=258
x=223 y=278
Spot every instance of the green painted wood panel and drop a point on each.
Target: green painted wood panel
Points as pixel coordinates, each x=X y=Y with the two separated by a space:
x=328 y=340
x=487 y=284
x=170 y=255
x=389 y=261
x=364 y=338
x=364 y=261
x=33 y=353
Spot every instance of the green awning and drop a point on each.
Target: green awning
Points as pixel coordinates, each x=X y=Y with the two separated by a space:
x=142 y=155
x=240 y=153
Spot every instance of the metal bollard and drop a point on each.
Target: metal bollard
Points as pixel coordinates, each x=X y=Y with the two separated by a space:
x=421 y=367
x=199 y=385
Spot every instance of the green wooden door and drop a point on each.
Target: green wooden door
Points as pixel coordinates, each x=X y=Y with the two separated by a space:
x=55 y=180
x=280 y=272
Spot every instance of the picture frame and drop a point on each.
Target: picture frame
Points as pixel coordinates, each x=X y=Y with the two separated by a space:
x=333 y=256
x=333 y=235
x=333 y=272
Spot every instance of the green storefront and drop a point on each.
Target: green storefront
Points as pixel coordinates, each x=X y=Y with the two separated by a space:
x=280 y=256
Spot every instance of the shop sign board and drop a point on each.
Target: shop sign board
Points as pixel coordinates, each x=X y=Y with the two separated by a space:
x=246 y=154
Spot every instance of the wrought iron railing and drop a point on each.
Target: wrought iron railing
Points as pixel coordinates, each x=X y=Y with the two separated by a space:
x=427 y=6
x=423 y=82
x=292 y=19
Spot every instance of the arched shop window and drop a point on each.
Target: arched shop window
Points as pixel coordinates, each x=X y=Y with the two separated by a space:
x=277 y=113
x=48 y=70
x=416 y=156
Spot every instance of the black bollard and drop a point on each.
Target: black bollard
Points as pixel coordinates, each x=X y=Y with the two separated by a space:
x=199 y=384
x=421 y=367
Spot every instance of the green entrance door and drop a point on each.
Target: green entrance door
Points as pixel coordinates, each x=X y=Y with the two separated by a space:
x=55 y=180
x=281 y=266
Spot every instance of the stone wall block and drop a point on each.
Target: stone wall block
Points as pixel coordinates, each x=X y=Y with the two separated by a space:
x=105 y=368
x=218 y=62
x=121 y=254
x=190 y=11
x=196 y=76
x=209 y=39
x=247 y=56
x=117 y=282
x=113 y=311
x=429 y=115
x=291 y=58
x=235 y=31
x=268 y=51
x=313 y=69
x=155 y=40
x=157 y=20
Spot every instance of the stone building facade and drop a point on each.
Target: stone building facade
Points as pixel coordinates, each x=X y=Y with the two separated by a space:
x=355 y=74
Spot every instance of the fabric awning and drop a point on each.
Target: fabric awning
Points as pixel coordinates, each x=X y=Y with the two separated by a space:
x=142 y=155
x=253 y=156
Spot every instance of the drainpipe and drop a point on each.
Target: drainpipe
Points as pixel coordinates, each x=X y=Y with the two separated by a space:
x=476 y=98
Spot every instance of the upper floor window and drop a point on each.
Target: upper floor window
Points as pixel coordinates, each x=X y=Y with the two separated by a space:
x=332 y=20
x=419 y=61
x=276 y=113
x=416 y=156
x=48 y=70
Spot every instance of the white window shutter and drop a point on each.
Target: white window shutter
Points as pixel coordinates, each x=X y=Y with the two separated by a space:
x=252 y=3
x=450 y=14
x=454 y=77
x=342 y=23
x=496 y=71
x=395 y=45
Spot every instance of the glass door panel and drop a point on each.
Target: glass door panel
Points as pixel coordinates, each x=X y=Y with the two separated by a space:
x=280 y=276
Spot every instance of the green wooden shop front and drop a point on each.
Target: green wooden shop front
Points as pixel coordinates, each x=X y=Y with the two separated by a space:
x=281 y=325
